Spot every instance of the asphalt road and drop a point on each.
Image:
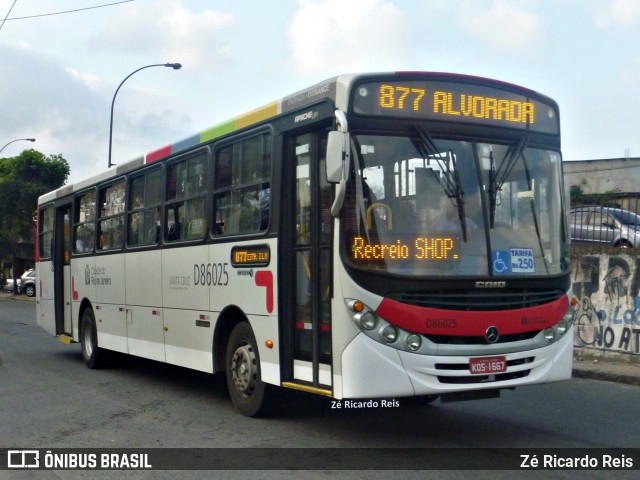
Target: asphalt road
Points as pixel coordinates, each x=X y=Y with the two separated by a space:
x=49 y=399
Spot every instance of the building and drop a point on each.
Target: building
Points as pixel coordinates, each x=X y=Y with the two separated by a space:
x=600 y=176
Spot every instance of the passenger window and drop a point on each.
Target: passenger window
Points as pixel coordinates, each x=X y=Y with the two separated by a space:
x=46 y=233
x=144 y=209
x=84 y=223
x=242 y=187
x=185 y=212
x=111 y=225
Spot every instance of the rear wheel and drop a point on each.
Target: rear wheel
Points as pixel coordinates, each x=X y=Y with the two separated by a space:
x=248 y=393
x=94 y=356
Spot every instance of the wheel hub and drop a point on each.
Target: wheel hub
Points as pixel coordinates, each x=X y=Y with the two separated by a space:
x=243 y=369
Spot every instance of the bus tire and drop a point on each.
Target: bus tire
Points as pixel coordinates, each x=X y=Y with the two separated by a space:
x=242 y=366
x=93 y=356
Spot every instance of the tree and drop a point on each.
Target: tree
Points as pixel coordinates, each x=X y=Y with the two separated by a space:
x=22 y=180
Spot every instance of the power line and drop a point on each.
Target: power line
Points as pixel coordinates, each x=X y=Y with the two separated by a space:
x=7 y=15
x=61 y=13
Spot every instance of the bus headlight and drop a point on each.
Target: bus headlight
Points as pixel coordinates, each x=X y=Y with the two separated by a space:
x=380 y=330
x=562 y=327
x=368 y=320
x=414 y=341
x=389 y=334
x=550 y=335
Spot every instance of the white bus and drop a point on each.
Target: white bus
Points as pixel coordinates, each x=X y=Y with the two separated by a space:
x=374 y=236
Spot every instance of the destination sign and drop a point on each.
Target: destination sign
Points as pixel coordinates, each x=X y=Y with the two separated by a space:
x=251 y=256
x=420 y=248
x=455 y=102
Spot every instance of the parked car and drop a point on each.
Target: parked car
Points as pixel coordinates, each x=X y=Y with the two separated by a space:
x=8 y=285
x=28 y=283
x=606 y=226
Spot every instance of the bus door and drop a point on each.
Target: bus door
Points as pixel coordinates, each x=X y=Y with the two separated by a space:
x=62 y=270
x=308 y=271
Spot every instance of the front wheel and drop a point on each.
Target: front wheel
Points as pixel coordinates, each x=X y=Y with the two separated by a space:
x=248 y=393
x=30 y=290
x=94 y=356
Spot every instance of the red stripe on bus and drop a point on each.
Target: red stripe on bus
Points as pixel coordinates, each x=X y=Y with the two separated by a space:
x=436 y=321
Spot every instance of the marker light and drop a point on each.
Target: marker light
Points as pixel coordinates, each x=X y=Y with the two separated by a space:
x=356 y=305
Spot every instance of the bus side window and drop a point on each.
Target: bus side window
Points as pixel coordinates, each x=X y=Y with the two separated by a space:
x=185 y=217
x=242 y=187
x=84 y=222
x=144 y=208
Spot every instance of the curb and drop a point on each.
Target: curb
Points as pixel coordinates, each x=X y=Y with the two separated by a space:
x=16 y=298
x=595 y=373
x=606 y=376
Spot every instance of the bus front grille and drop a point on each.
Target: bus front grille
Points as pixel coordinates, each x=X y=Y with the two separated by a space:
x=492 y=378
x=474 y=300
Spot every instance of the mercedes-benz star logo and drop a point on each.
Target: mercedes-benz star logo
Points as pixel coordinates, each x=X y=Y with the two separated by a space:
x=491 y=335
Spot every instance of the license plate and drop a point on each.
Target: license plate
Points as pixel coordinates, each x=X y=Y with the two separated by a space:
x=485 y=365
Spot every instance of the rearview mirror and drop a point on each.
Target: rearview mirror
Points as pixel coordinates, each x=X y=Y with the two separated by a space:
x=335 y=156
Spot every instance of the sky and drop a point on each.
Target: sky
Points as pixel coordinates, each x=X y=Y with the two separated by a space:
x=59 y=73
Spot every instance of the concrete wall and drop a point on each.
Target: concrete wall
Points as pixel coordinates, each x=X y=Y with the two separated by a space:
x=599 y=176
x=608 y=319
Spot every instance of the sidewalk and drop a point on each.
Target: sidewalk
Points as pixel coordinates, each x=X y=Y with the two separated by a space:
x=4 y=295
x=608 y=370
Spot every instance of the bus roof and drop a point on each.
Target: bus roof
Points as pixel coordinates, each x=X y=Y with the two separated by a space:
x=335 y=89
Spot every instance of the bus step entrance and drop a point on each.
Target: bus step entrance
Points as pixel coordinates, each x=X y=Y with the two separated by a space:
x=307 y=388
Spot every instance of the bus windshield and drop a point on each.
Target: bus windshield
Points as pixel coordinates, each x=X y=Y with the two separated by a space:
x=418 y=206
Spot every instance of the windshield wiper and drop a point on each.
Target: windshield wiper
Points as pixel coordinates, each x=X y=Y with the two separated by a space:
x=536 y=223
x=447 y=164
x=497 y=178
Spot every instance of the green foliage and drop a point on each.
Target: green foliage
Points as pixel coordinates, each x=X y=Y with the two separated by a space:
x=610 y=198
x=575 y=192
x=22 y=180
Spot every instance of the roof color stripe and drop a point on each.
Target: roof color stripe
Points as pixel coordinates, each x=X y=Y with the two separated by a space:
x=216 y=131
x=157 y=154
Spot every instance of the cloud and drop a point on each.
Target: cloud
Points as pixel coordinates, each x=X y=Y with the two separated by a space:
x=167 y=30
x=45 y=101
x=616 y=13
x=347 y=36
x=67 y=112
x=506 y=26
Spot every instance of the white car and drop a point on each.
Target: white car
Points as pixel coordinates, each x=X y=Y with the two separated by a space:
x=27 y=283
x=8 y=285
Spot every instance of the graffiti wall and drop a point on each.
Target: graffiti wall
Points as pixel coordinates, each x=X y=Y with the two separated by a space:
x=608 y=318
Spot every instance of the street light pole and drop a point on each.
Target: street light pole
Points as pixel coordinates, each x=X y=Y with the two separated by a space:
x=17 y=140
x=175 y=66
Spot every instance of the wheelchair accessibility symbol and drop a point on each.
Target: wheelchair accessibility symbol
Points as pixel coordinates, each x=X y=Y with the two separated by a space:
x=500 y=261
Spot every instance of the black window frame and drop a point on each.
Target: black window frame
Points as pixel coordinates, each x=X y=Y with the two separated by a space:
x=151 y=234
x=88 y=240
x=239 y=196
